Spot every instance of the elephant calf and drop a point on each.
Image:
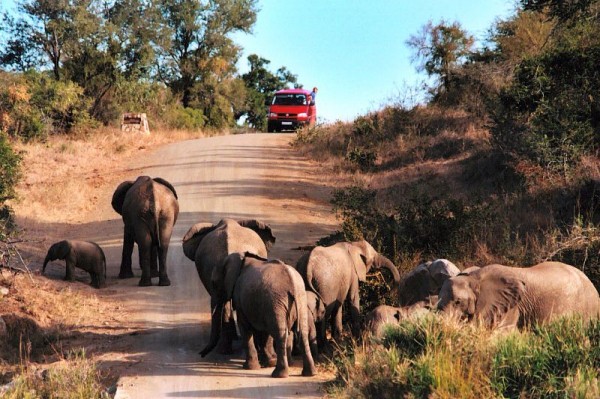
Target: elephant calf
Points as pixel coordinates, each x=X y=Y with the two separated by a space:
x=85 y=255
x=383 y=315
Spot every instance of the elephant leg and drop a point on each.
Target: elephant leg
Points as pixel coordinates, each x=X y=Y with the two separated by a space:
x=128 y=242
x=163 y=250
x=354 y=302
x=94 y=283
x=336 y=324
x=154 y=262
x=308 y=363
x=69 y=275
x=163 y=279
x=281 y=369
x=145 y=250
x=266 y=353
x=227 y=330
x=251 y=362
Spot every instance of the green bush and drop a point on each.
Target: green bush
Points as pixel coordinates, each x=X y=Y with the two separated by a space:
x=186 y=118
x=551 y=112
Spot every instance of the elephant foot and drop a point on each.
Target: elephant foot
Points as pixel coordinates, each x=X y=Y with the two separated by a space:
x=251 y=365
x=268 y=362
x=145 y=282
x=128 y=274
x=309 y=372
x=154 y=273
x=164 y=282
x=280 y=373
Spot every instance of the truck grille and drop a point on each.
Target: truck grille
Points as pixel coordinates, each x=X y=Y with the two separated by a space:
x=286 y=115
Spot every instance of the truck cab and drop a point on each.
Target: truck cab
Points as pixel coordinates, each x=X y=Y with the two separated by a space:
x=290 y=109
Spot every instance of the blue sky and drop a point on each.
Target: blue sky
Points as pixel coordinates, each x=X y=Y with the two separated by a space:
x=355 y=51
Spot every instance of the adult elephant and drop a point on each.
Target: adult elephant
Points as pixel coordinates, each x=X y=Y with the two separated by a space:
x=149 y=208
x=504 y=297
x=423 y=283
x=269 y=298
x=208 y=244
x=334 y=272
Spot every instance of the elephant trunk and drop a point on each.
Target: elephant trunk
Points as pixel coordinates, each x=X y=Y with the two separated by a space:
x=382 y=261
x=46 y=263
x=215 y=329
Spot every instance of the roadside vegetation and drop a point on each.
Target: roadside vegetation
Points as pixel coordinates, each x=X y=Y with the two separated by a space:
x=434 y=358
x=500 y=165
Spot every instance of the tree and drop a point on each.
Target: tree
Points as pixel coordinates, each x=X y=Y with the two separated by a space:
x=261 y=85
x=195 y=52
x=439 y=50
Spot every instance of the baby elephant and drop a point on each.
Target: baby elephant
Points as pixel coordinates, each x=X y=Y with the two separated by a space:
x=384 y=314
x=82 y=254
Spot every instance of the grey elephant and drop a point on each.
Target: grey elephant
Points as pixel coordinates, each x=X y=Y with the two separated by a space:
x=334 y=272
x=383 y=315
x=499 y=296
x=208 y=245
x=269 y=298
x=85 y=255
x=424 y=282
x=149 y=208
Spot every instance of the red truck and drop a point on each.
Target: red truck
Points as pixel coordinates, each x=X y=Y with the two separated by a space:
x=290 y=109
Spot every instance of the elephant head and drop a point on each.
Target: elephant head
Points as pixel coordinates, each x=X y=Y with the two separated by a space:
x=59 y=250
x=488 y=298
x=364 y=258
x=424 y=282
x=121 y=191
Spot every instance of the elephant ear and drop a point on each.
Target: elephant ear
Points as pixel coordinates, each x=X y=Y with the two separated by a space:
x=119 y=196
x=192 y=238
x=168 y=185
x=63 y=249
x=359 y=261
x=498 y=295
x=260 y=228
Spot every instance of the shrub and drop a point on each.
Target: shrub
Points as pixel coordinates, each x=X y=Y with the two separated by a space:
x=550 y=113
x=186 y=118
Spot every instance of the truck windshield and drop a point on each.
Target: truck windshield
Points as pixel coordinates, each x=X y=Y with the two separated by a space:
x=289 y=99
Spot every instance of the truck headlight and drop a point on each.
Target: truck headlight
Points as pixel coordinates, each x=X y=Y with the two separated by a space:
x=302 y=115
x=272 y=115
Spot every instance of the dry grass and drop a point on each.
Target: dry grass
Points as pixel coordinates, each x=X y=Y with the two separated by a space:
x=56 y=168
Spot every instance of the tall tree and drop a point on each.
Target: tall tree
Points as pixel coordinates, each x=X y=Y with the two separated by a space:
x=440 y=49
x=196 y=52
x=46 y=26
x=261 y=84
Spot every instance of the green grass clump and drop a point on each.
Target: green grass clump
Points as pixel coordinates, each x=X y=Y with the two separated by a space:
x=431 y=357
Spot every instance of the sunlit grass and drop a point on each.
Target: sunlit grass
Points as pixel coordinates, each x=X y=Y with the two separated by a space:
x=432 y=357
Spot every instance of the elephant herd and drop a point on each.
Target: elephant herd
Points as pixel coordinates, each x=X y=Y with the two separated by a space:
x=277 y=304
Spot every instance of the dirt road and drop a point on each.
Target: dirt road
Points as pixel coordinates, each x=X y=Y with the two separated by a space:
x=241 y=176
